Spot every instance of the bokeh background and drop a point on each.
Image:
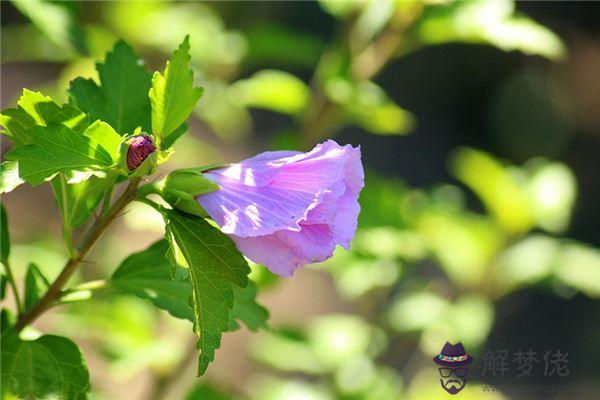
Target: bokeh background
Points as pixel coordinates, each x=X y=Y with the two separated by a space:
x=479 y=124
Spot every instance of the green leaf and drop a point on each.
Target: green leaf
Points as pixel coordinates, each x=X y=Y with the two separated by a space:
x=57 y=20
x=4 y=235
x=176 y=134
x=77 y=201
x=173 y=95
x=36 y=285
x=367 y=105
x=273 y=90
x=3 y=282
x=7 y=320
x=181 y=187
x=9 y=176
x=33 y=108
x=246 y=309
x=48 y=367
x=491 y=22
x=103 y=134
x=16 y=123
x=215 y=266
x=57 y=149
x=147 y=274
x=122 y=99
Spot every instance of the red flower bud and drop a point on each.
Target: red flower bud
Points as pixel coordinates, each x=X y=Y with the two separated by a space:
x=140 y=147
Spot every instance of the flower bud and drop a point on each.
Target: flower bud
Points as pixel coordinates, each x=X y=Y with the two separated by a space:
x=140 y=147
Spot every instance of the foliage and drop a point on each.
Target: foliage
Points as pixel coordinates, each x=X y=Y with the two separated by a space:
x=80 y=148
x=426 y=265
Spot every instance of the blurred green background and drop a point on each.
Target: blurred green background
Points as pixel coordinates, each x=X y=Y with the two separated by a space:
x=480 y=131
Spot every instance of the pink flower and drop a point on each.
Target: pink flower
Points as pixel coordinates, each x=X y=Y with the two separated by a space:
x=285 y=209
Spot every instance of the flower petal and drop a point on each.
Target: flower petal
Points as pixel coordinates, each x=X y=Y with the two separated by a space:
x=285 y=251
x=248 y=207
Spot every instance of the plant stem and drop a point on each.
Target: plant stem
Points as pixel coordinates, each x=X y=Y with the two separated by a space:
x=11 y=280
x=54 y=291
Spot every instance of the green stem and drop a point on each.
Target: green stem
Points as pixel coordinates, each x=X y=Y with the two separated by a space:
x=81 y=292
x=106 y=202
x=11 y=280
x=150 y=188
x=55 y=290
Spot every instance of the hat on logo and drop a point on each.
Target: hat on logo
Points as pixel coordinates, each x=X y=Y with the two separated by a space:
x=453 y=355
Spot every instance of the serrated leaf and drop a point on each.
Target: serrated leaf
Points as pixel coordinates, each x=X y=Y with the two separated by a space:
x=16 y=122
x=48 y=367
x=9 y=176
x=122 y=97
x=4 y=235
x=246 y=309
x=36 y=284
x=147 y=274
x=57 y=149
x=173 y=95
x=33 y=108
x=215 y=266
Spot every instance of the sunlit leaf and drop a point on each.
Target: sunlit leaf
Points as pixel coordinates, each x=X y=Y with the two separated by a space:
x=526 y=262
x=579 y=267
x=416 y=311
x=367 y=105
x=552 y=188
x=215 y=266
x=121 y=100
x=270 y=388
x=498 y=186
x=468 y=320
x=273 y=90
x=173 y=95
x=33 y=108
x=492 y=22
x=9 y=176
x=103 y=134
x=54 y=149
x=341 y=9
x=339 y=338
x=464 y=244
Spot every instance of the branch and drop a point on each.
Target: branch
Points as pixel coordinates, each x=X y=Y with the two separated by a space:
x=54 y=291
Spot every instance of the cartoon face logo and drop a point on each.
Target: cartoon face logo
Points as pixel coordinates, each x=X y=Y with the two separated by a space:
x=453 y=361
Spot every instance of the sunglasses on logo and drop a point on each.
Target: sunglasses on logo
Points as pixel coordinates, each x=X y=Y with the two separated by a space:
x=447 y=372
